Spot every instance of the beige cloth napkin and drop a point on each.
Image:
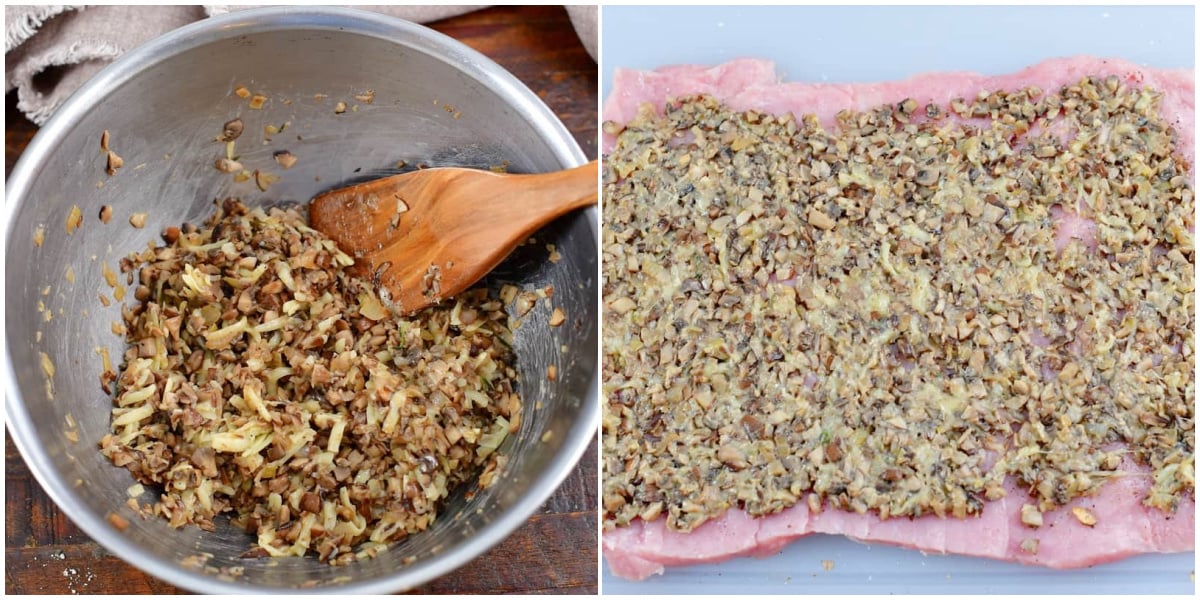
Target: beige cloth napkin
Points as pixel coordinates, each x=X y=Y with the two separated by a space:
x=50 y=51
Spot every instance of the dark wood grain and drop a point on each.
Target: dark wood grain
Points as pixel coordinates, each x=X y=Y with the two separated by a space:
x=555 y=552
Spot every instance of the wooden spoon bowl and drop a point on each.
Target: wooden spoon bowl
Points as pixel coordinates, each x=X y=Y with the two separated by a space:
x=428 y=235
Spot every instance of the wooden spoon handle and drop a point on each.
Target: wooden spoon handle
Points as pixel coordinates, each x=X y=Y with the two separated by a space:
x=542 y=196
x=474 y=220
x=502 y=210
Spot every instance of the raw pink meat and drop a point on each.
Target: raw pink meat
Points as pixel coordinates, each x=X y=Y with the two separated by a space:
x=753 y=84
x=1124 y=526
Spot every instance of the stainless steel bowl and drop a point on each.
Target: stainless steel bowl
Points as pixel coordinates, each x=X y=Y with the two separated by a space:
x=436 y=101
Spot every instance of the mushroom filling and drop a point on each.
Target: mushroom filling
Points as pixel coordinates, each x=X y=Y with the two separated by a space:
x=896 y=315
x=264 y=382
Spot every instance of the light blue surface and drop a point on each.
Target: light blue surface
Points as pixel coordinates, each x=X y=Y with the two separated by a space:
x=865 y=569
x=857 y=44
x=847 y=44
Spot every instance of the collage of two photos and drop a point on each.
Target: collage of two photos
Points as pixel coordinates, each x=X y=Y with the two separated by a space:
x=621 y=300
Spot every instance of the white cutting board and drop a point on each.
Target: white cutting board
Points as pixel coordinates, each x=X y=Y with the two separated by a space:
x=862 y=44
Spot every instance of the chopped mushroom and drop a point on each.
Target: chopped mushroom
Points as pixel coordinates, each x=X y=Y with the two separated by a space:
x=226 y=165
x=264 y=179
x=820 y=220
x=232 y=130
x=114 y=162
x=258 y=303
x=285 y=159
x=914 y=267
x=622 y=305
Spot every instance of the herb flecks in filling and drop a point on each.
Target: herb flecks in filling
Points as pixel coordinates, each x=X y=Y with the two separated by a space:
x=878 y=317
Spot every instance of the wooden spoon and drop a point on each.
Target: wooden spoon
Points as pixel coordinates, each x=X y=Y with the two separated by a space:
x=430 y=234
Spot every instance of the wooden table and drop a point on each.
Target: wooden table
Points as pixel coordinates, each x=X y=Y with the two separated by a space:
x=554 y=552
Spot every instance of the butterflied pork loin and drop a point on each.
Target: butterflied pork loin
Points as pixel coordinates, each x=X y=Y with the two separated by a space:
x=952 y=313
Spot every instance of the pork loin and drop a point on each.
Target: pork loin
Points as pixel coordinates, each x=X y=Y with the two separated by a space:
x=1122 y=526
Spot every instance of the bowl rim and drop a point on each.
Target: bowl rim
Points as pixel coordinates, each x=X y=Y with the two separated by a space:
x=263 y=20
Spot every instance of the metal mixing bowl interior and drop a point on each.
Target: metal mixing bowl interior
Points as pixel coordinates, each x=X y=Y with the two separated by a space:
x=435 y=102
